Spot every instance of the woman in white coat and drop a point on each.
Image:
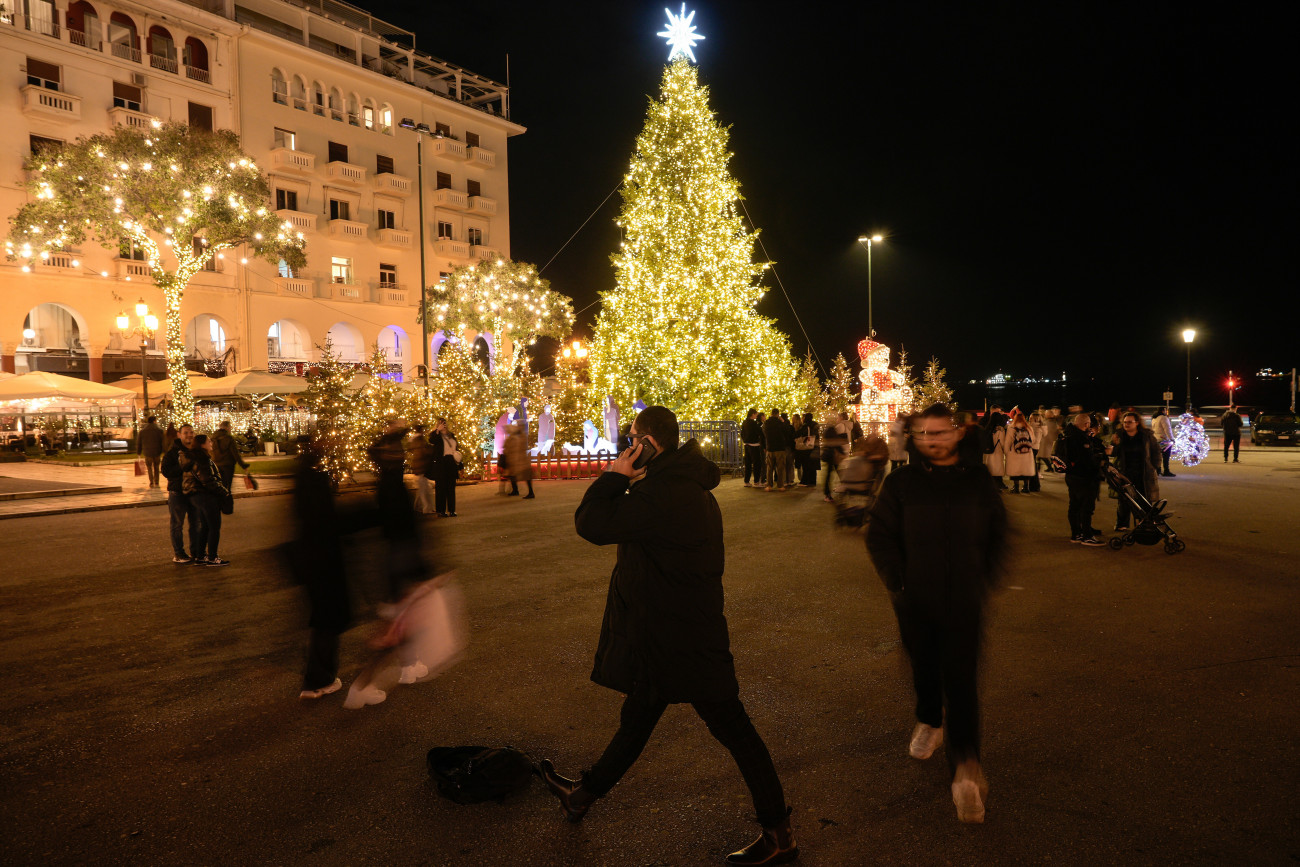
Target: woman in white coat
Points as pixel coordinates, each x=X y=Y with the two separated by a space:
x=1018 y=446
x=996 y=459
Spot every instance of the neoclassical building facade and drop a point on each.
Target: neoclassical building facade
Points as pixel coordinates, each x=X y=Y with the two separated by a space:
x=343 y=116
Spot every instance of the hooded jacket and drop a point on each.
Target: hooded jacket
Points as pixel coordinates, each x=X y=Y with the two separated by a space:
x=664 y=634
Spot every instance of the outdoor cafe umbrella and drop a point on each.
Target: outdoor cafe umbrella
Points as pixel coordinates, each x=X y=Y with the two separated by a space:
x=249 y=383
x=161 y=387
x=41 y=385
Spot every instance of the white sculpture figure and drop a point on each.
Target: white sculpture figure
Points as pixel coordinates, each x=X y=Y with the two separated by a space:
x=545 y=432
x=499 y=439
x=592 y=442
x=611 y=420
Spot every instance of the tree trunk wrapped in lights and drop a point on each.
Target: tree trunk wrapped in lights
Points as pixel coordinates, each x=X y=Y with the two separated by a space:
x=680 y=328
x=180 y=195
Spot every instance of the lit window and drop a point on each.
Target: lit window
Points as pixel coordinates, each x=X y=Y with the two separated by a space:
x=340 y=269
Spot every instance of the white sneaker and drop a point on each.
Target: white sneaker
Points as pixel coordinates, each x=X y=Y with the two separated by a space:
x=323 y=691
x=358 y=698
x=413 y=672
x=970 y=806
x=925 y=740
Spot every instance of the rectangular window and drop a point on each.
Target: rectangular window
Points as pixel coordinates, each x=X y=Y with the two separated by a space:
x=444 y=231
x=40 y=144
x=284 y=269
x=338 y=210
x=286 y=200
x=475 y=237
x=443 y=275
x=387 y=275
x=338 y=152
x=368 y=117
x=472 y=188
x=387 y=219
x=471 y=139
x=444 y=181
x=130 y=250
x=127 y=96
x=43 y=74
x=340 y=269
x=284 y=138
x=383 y=165
x=201 y=248
x=442 y=129
x=200 y=116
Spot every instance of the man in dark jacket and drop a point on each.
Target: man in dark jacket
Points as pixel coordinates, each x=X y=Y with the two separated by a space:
x=936 y=538
x=179 y=507
x=751 y=435
x=664 y=637
x=777 y=442
x=1231 y=422
x=150 y=446
x=1084 y=453
x=225 y=454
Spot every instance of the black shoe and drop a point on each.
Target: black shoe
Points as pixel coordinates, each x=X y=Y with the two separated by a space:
x=450 y=515
x=774 y=846
x=513 y=494
x=1235 y=461
x=442 y=514
x=1169 y=475
x=528 y=497
x=574 y=799
x=217 y=561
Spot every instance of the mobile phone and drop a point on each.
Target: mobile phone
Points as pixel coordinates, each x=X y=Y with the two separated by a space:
x=648 y=451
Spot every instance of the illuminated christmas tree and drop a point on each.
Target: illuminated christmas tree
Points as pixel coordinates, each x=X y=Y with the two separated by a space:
x=331 y=400
x=459 y=392
x=1191 y=445
x=178 y=194
x=839 y=390
x=933 y=389
x=371 y=408
x=680 y=328
x=811 y=397
x=573 y=401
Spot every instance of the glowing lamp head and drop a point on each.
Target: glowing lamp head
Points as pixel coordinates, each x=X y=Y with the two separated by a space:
x=151 y=322
x=141 y=309
x=123 y=322
x=29 y=334
x=1189 y=334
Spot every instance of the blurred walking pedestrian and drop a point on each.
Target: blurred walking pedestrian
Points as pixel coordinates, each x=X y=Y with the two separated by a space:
x=1137 y=456
x=521 y=465
x=751 y=436
x=995 y=431
x=664 y=636
x=897 y=442
x=1231 y=423
x=445 y=460
x=150 y=443
x=201 y=483
x=936 y=538
x=1164 y=436
x=419 y=457
x=179 y=507
x=225 y=454
x=396 y=514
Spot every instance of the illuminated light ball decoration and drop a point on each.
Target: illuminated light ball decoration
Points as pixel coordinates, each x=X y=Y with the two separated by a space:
x=884 y=392
x=1191 y=445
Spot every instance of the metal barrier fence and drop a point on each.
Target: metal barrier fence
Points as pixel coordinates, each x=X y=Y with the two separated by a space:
x=719 y=440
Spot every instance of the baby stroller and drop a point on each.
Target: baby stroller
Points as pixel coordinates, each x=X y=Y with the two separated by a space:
x=1149 y=525
x=855 y=492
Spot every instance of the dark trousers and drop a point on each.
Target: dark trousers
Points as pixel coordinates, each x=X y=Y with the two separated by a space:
x=514 y=485
x=1166 y=449
x=322 y=659
x=209 y=521
x=944 y=648
x=1233 y=440
x=1034 y=484
x=808 y=462
x=444 y=492
x=227 y=476
x=726 y=720
x=152 y=465
x=1083 y=499
x=826 y=485
x=754 y=463
x=1123 y=510
x=179 y=508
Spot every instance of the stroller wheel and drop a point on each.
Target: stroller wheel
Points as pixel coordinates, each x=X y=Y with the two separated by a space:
x=1115 y=543
x=1129 y=539
x=1174 y=546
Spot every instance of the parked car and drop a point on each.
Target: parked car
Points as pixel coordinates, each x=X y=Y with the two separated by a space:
x=1275 y=429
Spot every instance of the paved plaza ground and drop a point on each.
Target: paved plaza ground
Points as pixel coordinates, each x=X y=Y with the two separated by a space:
x=1140 y=708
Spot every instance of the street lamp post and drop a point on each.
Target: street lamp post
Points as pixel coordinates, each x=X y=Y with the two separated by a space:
x=420 y=129
x=871 y=331
x=145 y=329
x=1189 y=334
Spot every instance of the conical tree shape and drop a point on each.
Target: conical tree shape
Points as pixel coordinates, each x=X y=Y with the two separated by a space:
x=680 y=327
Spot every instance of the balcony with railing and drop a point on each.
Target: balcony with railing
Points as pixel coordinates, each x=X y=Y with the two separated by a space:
x=448 y=247
x=160 y=61
x=125 y=117
x=346 y=291
x=300 y=220
x=391 y=294
x=441 y=146
x=398 y=238
x=126 y=51
x=39 y=24
x=289 y=160
x=198 y=74
x=482 y=157
x=133 y=269
x=482 y=205
x=449 y=198
x=481 y=251
x=348 y=230
x=345 y=173
x=86 y=39
x=387 y=182
x=295 y=286
x=50 y=104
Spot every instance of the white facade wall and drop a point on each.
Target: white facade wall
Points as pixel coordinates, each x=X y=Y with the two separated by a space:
x=263 y=319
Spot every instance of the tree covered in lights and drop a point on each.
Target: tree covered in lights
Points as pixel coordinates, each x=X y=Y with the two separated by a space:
x=811 y=396
x=839 y=388
x=459 y=392
x=932 y=389
x=179 y=194
x=330 y=398
x=370 y=410
x=1191 y=445
x=680 y=328
x=503 y=298
x=573 y=401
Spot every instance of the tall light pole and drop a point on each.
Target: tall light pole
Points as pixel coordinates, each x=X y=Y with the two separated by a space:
x=145 y=329
x=863 y=239
x=420 y=130
x=1189 y=334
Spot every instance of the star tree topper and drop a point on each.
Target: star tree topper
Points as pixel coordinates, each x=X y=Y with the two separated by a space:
x=680 y=34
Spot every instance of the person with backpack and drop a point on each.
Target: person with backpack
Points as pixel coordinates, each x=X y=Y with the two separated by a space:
x=664 y=638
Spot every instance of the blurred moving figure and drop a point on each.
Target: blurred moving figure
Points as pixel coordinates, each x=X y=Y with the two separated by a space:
x=936 y=537
x=149 y=444
x=316 y=559
x=518 y=459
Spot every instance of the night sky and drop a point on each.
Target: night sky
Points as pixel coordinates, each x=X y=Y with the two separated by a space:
x=1063 y=186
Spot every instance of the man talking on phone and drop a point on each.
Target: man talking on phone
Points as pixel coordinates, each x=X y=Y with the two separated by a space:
x=664 y=636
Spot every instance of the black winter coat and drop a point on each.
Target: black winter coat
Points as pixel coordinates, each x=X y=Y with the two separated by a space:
x=1084 y=454
x=317 y=553
x=937 y=535
x=664 y=634
x=776 y=435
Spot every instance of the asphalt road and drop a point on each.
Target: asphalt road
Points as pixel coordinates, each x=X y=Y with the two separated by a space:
x=1140 y=708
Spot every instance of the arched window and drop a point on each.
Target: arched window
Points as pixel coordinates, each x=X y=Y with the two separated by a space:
x=354 y=110
x=368 y=114
x=83 y=25
x=299 y=93
x=318 y=98
x=123 y=38
x=336 y=104
x=162 y=49
x=386 y=119
x=196 y=59
x=279 y=87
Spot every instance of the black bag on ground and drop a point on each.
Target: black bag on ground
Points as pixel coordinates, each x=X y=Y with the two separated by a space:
x=469 y=775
